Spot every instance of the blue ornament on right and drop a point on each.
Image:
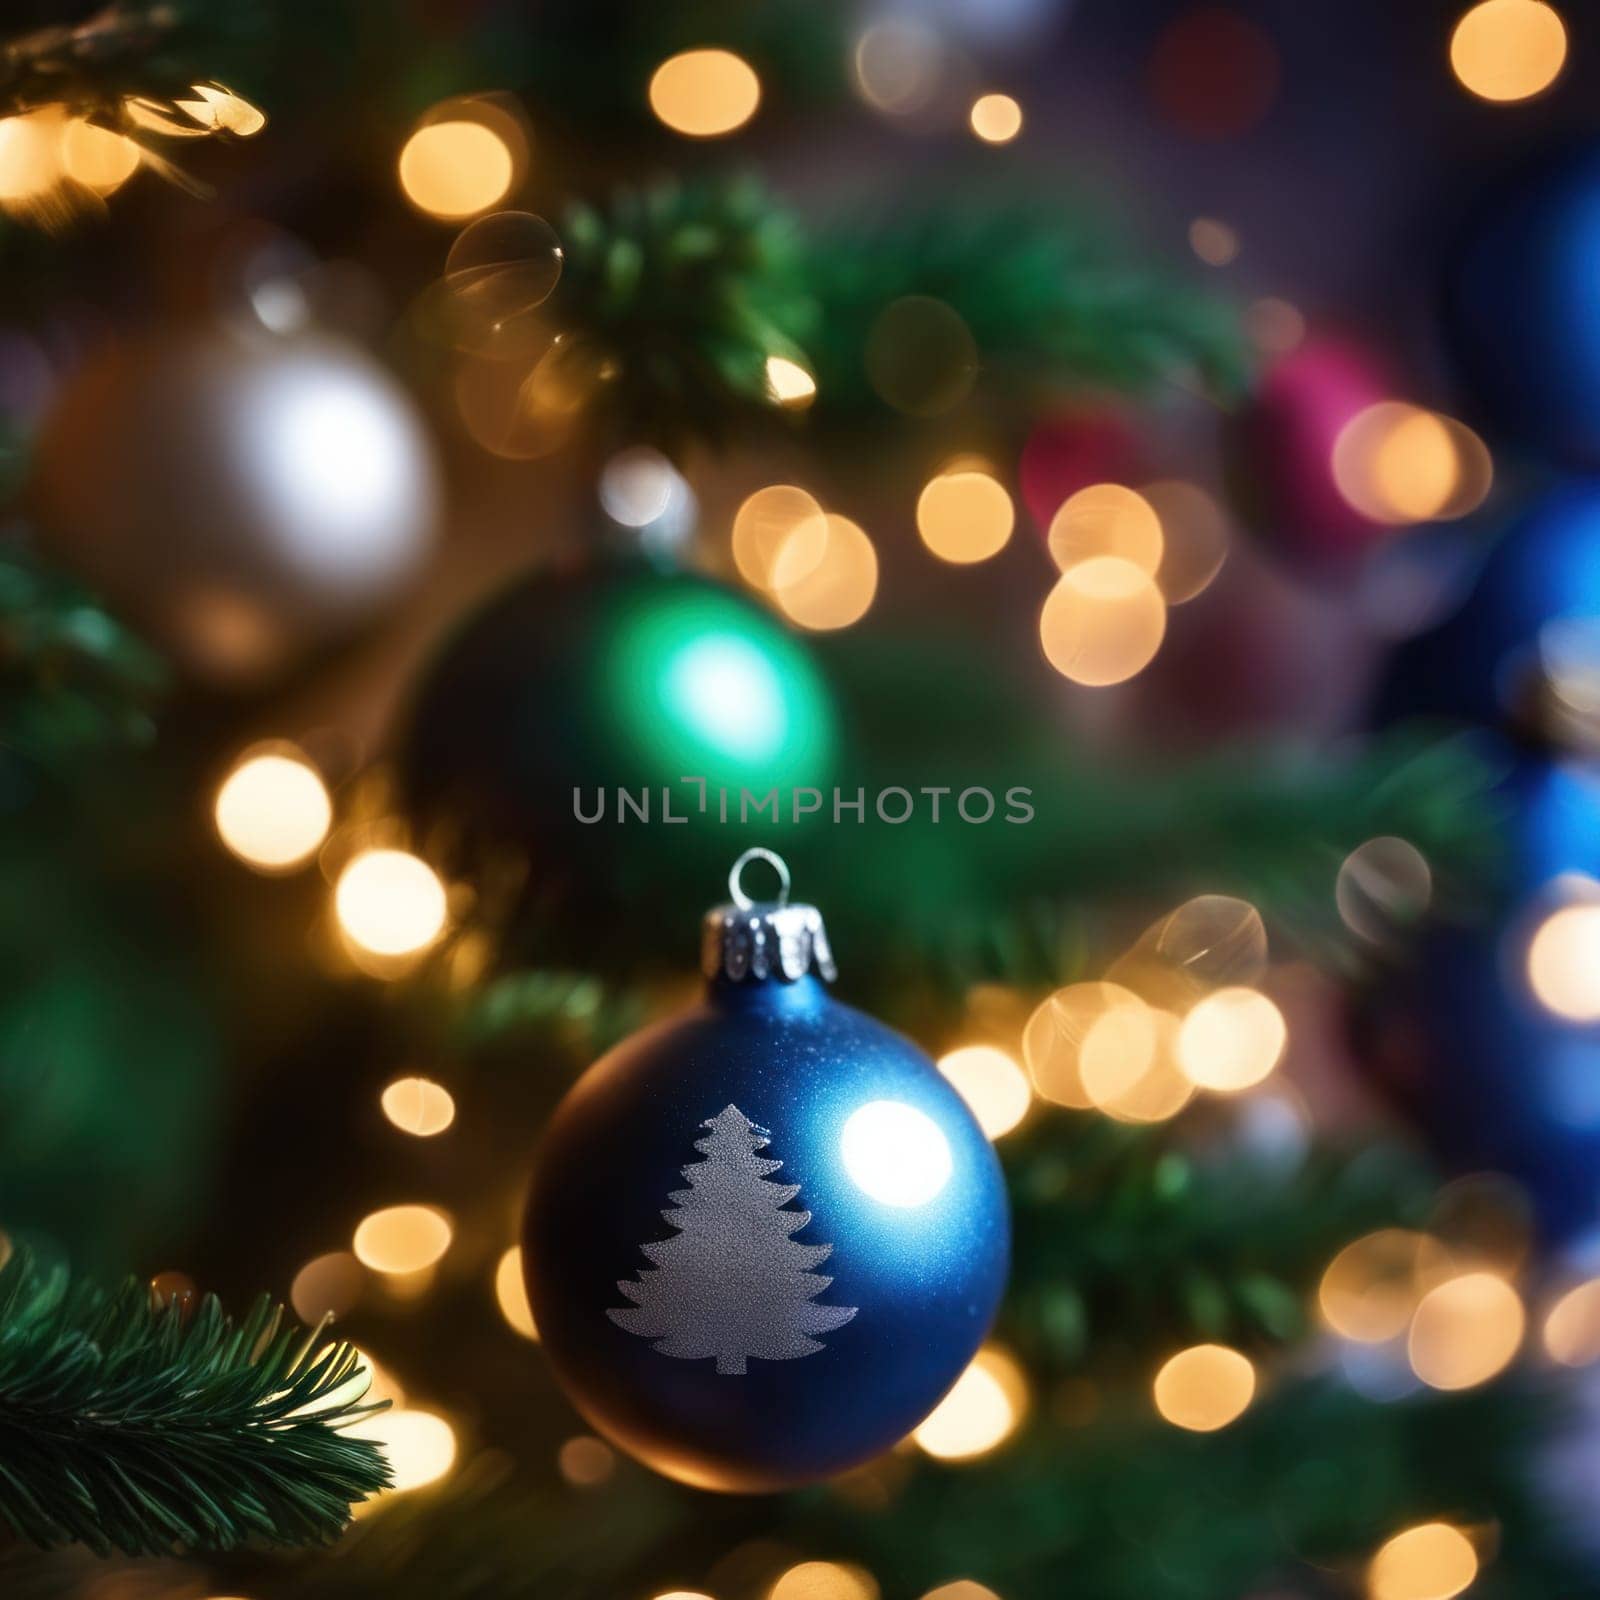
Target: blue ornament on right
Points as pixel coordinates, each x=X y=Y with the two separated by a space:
x=1493 y=1039
x=1522 y=306
x=1476 y=665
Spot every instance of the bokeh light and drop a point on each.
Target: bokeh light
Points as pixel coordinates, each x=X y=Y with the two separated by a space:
x=1103 y=622
x=1195 y=536
x=778 y=517
x=1128 y=1066
x=1564 y=963
x=1052 y=1042
x=962 y=1589
x=217 y=109
x=898 y=64
x=964 y=516
x=1572 y=1326
x=401 y=1239
x=1214 y=242
x=1275 y=326
x=99 y=158
x=503 y=267
x=895 y=1153
x=830 y=590
x=419 y=1445
x=980 y=1412
x=1231 y=1040
x=1398 y=464
x=638 y=485
x=511 y=1294
x=1204 y=1387
x=1432 y=1561
x=1106 y=519
x=390 y=903
x=1384 y=886
x=30 y=157
x=995 y=1088
x=328 y=1285
x=1370 y=1290
x=585 y=1461
x=682 y=1594
x=273 y=809
x=454 y=168
x=789 y=384
x=704 y=94
x=1465 y=1330
x=824 y=1580
x=995 y=118
x=1507 y=50
x=418 y=1106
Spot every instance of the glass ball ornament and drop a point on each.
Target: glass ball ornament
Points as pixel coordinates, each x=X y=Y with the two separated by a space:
x=605 y=723
x=764 y=1237
x=1522 y=304
x=240 y=495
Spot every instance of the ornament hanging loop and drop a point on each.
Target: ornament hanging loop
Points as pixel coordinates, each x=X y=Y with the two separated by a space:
x=773 y=860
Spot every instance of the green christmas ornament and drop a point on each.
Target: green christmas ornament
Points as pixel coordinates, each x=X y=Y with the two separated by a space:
x=618 y=729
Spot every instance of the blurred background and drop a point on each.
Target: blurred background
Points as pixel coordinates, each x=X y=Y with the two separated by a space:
x=422 y=425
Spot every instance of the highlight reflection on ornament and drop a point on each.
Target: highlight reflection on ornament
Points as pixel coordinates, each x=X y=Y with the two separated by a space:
x=895 y=1153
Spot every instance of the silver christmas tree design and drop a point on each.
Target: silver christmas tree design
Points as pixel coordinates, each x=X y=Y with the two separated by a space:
x=732 y=1283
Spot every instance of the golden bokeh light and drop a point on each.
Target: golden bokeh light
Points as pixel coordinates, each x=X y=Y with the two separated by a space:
x=1465 y=1330
x=219 y=110
x=30 y=157
x=511 y=1294
x=704 y=94
x=98 y=158
x=763 y=525
x=1398 y=464
x=965 y=516
x=1506 y=50
x=995 y=118
x=1572 y=1326
x=328 y=1285
x=1432 y=1561
x=833 y=590
x=1052 y=1041
x=995 y=1088
x=980 y=1412
x=456 y=168
x=273 y=809
x=418 y=1106
x=1128 y=1066
x=1275 y=326
x=1214 y=242
x=824 y=1580
x=419 y=1445
x=789 y=384
x=962 y=1589
x=1231 y=1040
x=585 y=1461
x=1102 y=622
x=1564 y=963
x=1204 y=1387
x=1370 y=1290
x=390 y=903
x=682 y=1594
x=402 y=1239
x=1195 y=536
x=1106 y=519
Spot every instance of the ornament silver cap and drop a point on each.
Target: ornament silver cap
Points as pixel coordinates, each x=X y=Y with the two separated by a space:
x=764 y=938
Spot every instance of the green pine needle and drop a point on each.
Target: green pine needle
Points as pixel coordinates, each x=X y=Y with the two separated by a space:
x=131 y=1425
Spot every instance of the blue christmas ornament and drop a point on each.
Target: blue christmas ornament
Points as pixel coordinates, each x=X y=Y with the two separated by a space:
x=1478 y=663
x=766 y=1236
x=1496 y=1040
x=1523 y=306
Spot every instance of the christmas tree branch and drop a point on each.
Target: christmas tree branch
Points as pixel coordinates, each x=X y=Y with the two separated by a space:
x=73 y=679
x=131 y=1425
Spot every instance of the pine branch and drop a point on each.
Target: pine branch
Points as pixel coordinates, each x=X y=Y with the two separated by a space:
x=73 y=680
x=680 y=294
x=135 y=1426
x=1139 y=1240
